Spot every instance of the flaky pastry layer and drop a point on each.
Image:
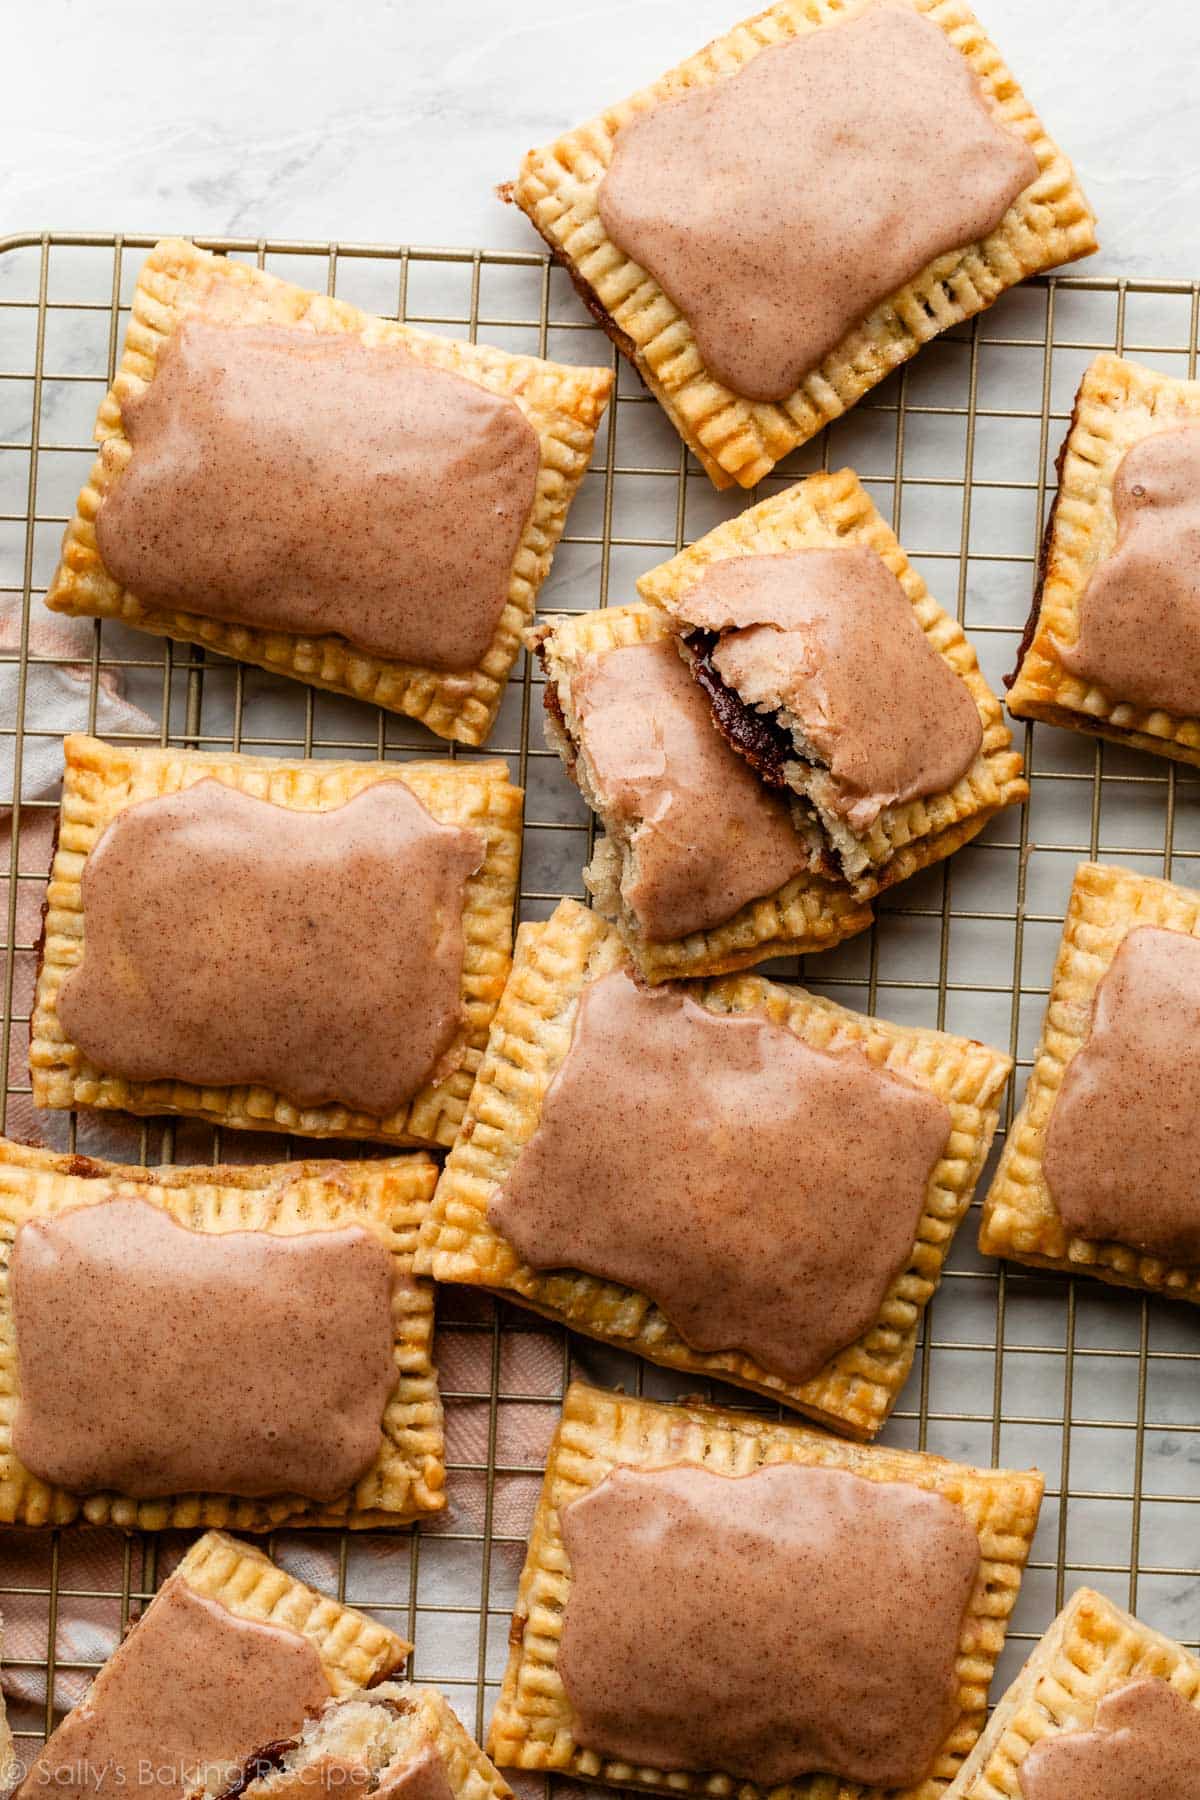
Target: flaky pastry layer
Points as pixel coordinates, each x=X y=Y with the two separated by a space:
x=808 y=913
x=530 y=1038
x=371 y=1731
x=100 y=781
x=563 y=405
x=1092 y=1648
x=531 y=1727
x=831 y=511
x=1020 y=1220
x=1118 y=405
x=386 y=1197
x=739 y=440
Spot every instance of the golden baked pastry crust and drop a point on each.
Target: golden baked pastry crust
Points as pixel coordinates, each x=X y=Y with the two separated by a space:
x=1020 y=1220
x=530 y=1038
x=531 y=1727
x=564 y=406
x=835 y=511
x=101 y=781
x=804 y=915
x=354 y=1650
x=740 y=440
x=1118 y=405
x=387 y=1197
x=1092 y=1648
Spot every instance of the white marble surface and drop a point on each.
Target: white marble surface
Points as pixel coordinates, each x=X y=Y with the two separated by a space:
x=392 y=120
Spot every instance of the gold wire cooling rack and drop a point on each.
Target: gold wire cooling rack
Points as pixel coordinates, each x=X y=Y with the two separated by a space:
x=1100 y=1389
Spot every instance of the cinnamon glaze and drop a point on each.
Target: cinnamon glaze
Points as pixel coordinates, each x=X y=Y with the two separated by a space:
x=305 y=481
x=779 y=205
x=764 y=1193
x=829 y=638
x=228 y=940
x=1139 y=615
x=1144 y=1745
x=158 y=1360
x=1123 y=1142
x=421 y=1776
x=765 y=1626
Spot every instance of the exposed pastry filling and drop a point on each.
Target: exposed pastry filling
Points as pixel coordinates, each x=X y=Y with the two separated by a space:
x=698 y=836
x=228 y=940
x=1139 y=615
x=819 y=674
x=778 y=206
x=764 y=1194
x=303 y=481
x=1123 y=1142
x=158 y=1360
x=1145 y=1743
x=193 y=1689
x=767 y=1626
x=373 y=1743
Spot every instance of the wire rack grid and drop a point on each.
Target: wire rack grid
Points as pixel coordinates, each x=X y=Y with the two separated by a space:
x=1095 y=1387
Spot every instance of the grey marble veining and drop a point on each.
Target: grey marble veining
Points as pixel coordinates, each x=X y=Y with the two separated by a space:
x=393 y=120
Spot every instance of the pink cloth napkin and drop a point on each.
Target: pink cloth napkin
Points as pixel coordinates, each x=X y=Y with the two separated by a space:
x=56 y=701
x=56 y=698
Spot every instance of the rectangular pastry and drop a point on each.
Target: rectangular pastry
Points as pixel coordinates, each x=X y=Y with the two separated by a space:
x=1111 y=646
x=1098 y=1173
x=215 y=1346
x=702 y=868
x=330 y=495
x=1105 y=1709
x=232 y=1652
x=831 y=669
x=671 y=1172
x=713 y=1602
x=313 y=947
x=758 y=307
x=394 y=1740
